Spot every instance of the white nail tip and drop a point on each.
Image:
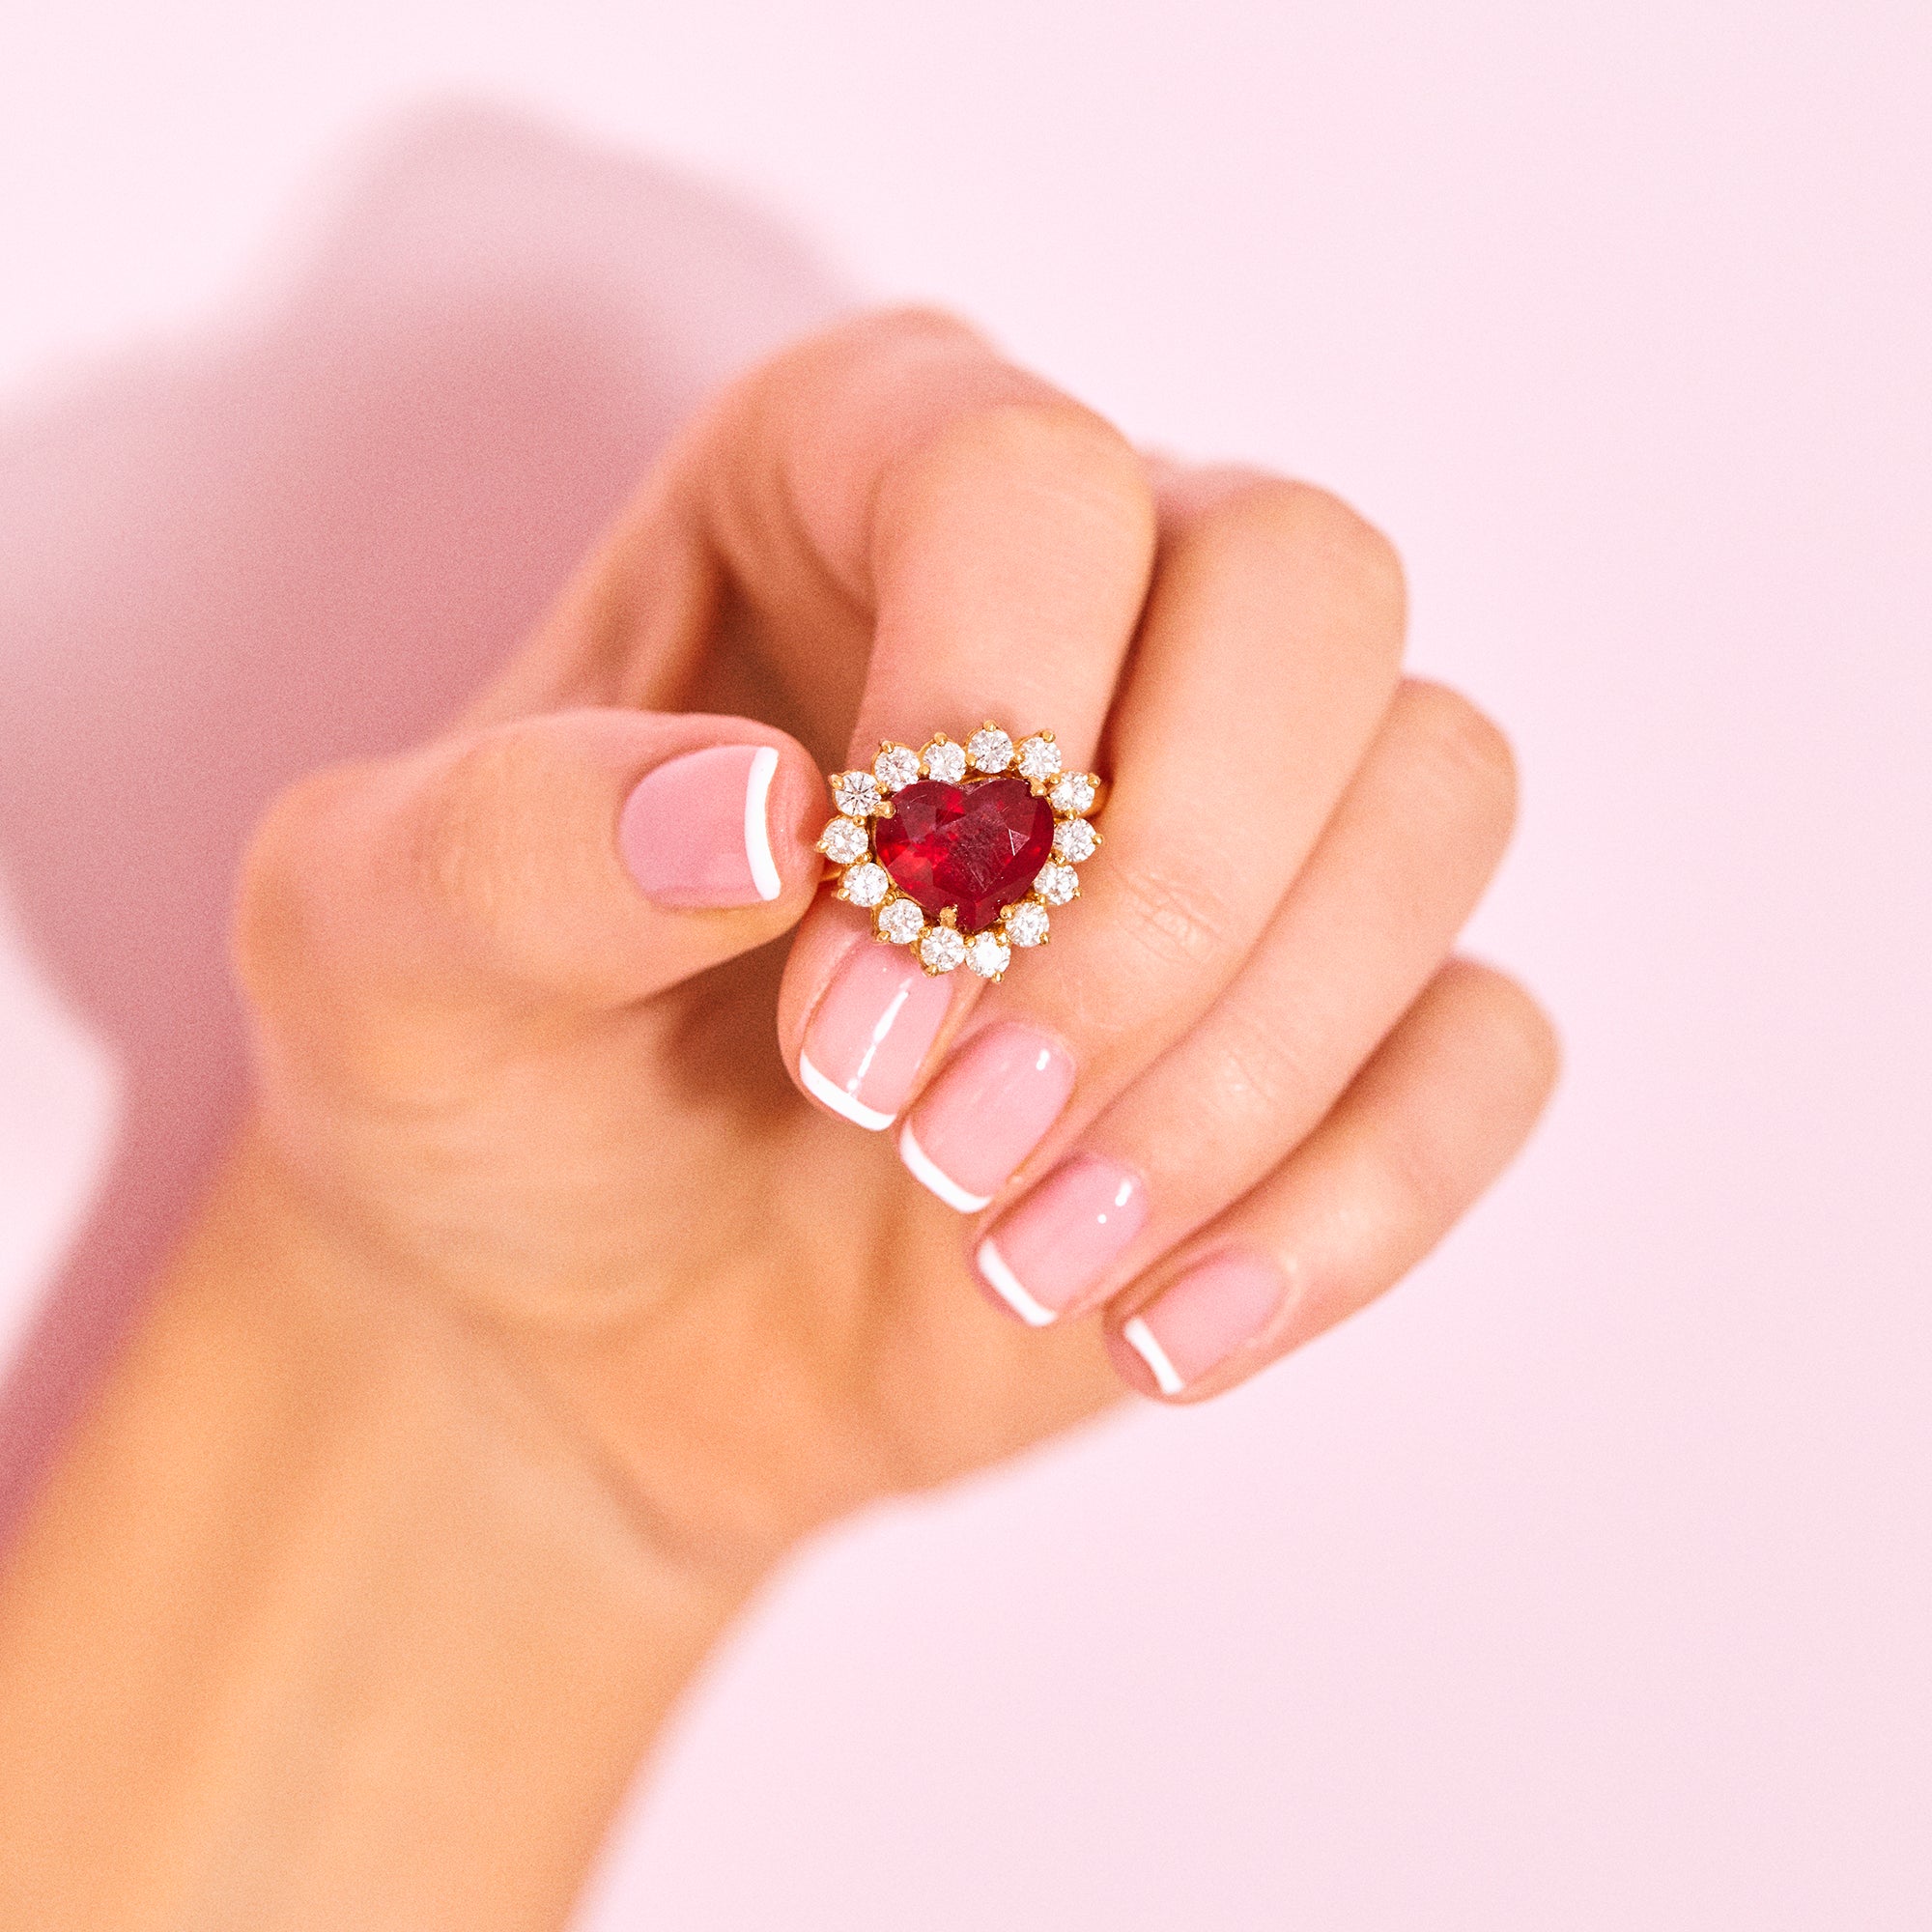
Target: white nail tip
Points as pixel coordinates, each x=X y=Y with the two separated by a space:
x=1139 y=1337
x=923 y=1169
x=840 y=1101
x=994 y=1268
x=757 y=834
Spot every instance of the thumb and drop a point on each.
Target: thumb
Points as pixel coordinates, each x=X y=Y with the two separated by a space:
x=581 y=860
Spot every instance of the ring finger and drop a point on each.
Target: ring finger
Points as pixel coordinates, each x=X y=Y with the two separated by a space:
x=1366 y=923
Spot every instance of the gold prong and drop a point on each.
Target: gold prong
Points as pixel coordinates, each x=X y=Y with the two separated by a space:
x=950 y=916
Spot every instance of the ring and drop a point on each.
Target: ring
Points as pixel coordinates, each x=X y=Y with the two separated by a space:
x=962 y=851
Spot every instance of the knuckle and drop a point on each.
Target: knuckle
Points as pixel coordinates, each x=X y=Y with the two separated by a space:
x=1316 y=535
x=1363 y=553
x=1262 y=1069
x=1488 y=1060
x=1314 y=522
x=1178 y=918
x=913 y=326
x=1420 y=1183
x=1461 y=753
x=878 y=338
x=1051 y=450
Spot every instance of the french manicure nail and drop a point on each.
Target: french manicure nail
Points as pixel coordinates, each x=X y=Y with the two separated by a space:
x=1199 y=1320
x=694 y=832
x=871 y=1032
x=1044 y=1253
x=986 y=1113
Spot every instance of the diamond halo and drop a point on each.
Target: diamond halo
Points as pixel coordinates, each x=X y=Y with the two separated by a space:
x=903 y=909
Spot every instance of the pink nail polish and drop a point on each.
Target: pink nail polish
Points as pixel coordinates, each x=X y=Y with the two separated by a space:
x=871 y=1033
x=1044 y=1253
x=692 y=832
x=1199 y=1320
x=986 y=1113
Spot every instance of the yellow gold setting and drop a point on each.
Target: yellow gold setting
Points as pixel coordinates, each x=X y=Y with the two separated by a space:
x=849 y=844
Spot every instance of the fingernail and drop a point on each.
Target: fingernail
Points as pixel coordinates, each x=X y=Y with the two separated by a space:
x=1044 y=1253
x=871 y=1033
x=1198 y=1322
x=986 y=1113
x=692 y=832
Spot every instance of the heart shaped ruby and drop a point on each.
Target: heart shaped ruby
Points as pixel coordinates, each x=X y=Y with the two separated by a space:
x=977 y=847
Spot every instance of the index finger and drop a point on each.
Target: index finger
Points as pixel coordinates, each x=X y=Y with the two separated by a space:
x=887 y=532
x=1001 y=538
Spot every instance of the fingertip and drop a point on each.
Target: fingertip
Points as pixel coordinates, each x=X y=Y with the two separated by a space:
x=1152 y=1357
x=870 y=1025
x=758 y=851
x=721 y=827
x=601 y=854
x=846 y=1105
x=797 y=808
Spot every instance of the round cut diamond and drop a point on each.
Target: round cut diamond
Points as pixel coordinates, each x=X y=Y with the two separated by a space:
x=1075 y=839
x=1027 y=923
x=988 y=954
x=945 y=761
x=896 y=767
x=900 y=920
x=941 y=949
x=867 y=884
x=855 y=794
x=1039 y=758
x=975 y=847
x=1057 y=884
x=990 y=749
x=843 y=840
x=1074 y=793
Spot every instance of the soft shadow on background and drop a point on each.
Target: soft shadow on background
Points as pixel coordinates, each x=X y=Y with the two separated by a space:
x=305 y=535
x=1582 y=1585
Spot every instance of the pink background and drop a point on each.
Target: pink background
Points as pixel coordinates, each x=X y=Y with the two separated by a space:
x=1583 y=1585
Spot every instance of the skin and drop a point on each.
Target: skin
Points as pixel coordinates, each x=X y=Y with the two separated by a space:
x=538 y=1313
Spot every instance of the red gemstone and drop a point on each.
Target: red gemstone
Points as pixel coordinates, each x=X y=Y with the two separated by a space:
x=977 y=847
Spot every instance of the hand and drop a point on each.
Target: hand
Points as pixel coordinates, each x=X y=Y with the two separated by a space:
x=553 y=1293
x=535 y=1052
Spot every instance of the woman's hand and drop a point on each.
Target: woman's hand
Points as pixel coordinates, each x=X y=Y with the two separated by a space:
x=531 y=1033
x=554 y=1293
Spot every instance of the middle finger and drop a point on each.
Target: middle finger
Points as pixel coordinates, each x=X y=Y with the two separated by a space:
x=1266 y=658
